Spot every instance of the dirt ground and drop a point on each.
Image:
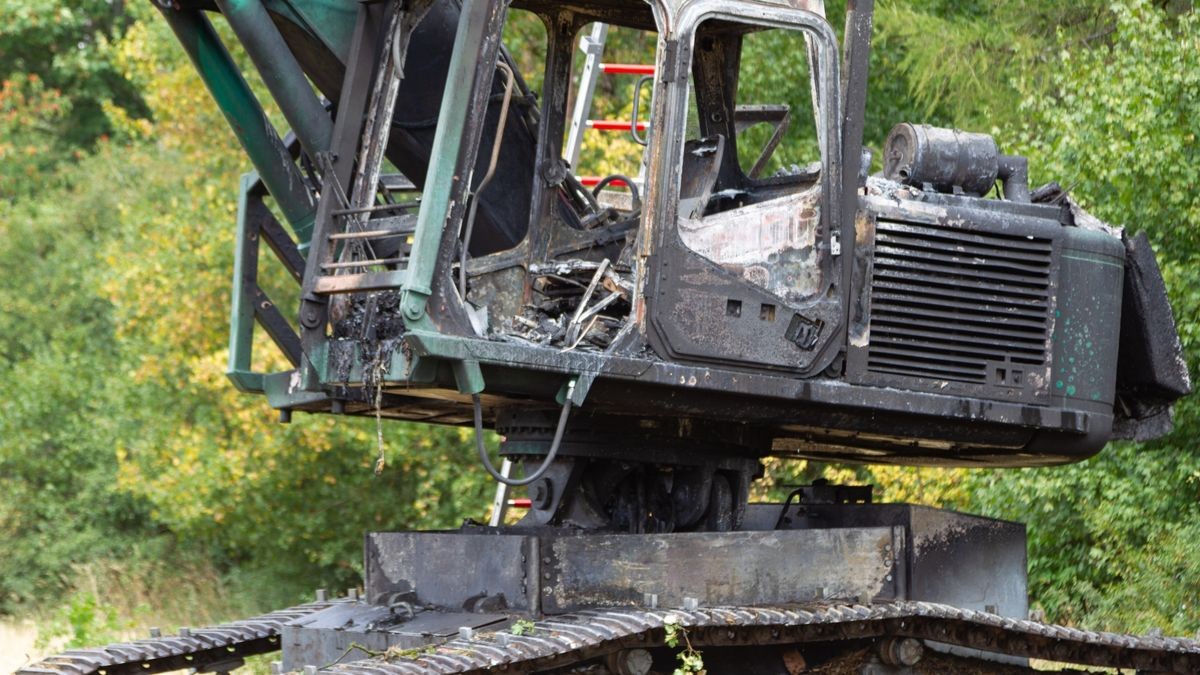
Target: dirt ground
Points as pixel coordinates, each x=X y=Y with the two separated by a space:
x=16 y=645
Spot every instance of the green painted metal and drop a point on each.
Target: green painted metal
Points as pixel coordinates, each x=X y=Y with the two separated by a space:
x=1087 y=324
x=468 y=376
x=330 y=21
x=245 y=115
x=281 y=73
x=443 y=165
x=282 y=392
x=576 y=388
x=241 y=312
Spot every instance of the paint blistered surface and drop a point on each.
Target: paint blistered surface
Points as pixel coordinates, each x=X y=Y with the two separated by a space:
x=771 y=244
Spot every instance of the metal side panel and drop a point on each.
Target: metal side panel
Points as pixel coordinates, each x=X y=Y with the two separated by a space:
x=721 y=568
x=452 y=570
x=953 y=558
x=551 y=574
x=968 y=562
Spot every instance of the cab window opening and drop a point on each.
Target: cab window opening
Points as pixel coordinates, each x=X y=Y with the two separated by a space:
x=750 y=181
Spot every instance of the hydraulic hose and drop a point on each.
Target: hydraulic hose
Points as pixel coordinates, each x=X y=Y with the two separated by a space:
x=636 y=198
x=541 y=470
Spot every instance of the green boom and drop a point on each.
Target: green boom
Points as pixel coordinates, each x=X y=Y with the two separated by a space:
x=246 y=116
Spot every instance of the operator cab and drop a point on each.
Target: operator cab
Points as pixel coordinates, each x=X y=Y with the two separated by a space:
x=751 y=232
x=725 y=181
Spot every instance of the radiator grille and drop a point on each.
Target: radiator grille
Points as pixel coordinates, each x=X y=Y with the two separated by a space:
x=948 y=303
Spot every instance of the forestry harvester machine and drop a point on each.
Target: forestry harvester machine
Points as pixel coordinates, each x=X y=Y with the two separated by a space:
x=641 y=341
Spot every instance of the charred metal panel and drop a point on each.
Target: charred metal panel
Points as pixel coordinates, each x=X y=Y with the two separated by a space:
x=770 y=244
x=718 y=569
x=452 y=570
x=962 y=560
x=968 y=561
x=699 y=310
x=960 y=431
x=552 y=573
x=1088 y=320
x=962 y=298
x=950 y=304
x=1151 y=371
x=710 y=314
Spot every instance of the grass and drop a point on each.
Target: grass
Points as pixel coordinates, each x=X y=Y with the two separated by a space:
x=111 y=601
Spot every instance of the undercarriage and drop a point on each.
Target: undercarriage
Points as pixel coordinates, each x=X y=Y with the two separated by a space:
x=828 y=582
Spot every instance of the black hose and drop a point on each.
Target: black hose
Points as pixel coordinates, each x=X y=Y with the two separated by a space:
x=541 y=470
x=787 y=503
x=635 y=198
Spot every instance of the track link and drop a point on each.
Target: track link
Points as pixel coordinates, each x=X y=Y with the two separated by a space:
x=198 y=648
x=563 y=641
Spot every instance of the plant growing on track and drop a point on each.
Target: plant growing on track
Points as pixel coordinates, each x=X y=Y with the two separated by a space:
x=691 y=662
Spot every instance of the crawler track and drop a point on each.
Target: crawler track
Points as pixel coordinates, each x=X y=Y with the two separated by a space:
x=560 y=642
x=199 y=648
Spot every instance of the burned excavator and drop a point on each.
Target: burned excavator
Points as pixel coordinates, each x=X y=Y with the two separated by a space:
x=641 y=341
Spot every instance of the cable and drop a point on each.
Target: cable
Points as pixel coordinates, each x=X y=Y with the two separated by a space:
x=787 y=503
x=541 y=470
x=636 y=201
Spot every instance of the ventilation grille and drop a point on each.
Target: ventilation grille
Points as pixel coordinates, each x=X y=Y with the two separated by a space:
x=958 y=305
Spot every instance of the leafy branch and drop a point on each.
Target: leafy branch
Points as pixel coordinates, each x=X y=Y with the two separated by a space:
x=523 y=627
x=691 y=662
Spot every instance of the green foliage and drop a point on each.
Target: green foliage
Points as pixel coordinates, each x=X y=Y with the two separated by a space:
x=691 y=661
x=393 y=654
x=790 y=86
x=1130 y=150
x=523 y=627
x=61 y=503
x=1106 y=532
x=69 y=44
x=127 y=441
x=112 y=597
x=1109 y=537
x=972 y=62
x=88 y=622
x=30 y=115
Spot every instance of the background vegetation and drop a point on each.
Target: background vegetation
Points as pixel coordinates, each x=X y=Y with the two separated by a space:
x=139 y=487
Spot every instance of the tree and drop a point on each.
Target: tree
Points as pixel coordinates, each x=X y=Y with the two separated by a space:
x=1109 y=537
x=69 y=45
